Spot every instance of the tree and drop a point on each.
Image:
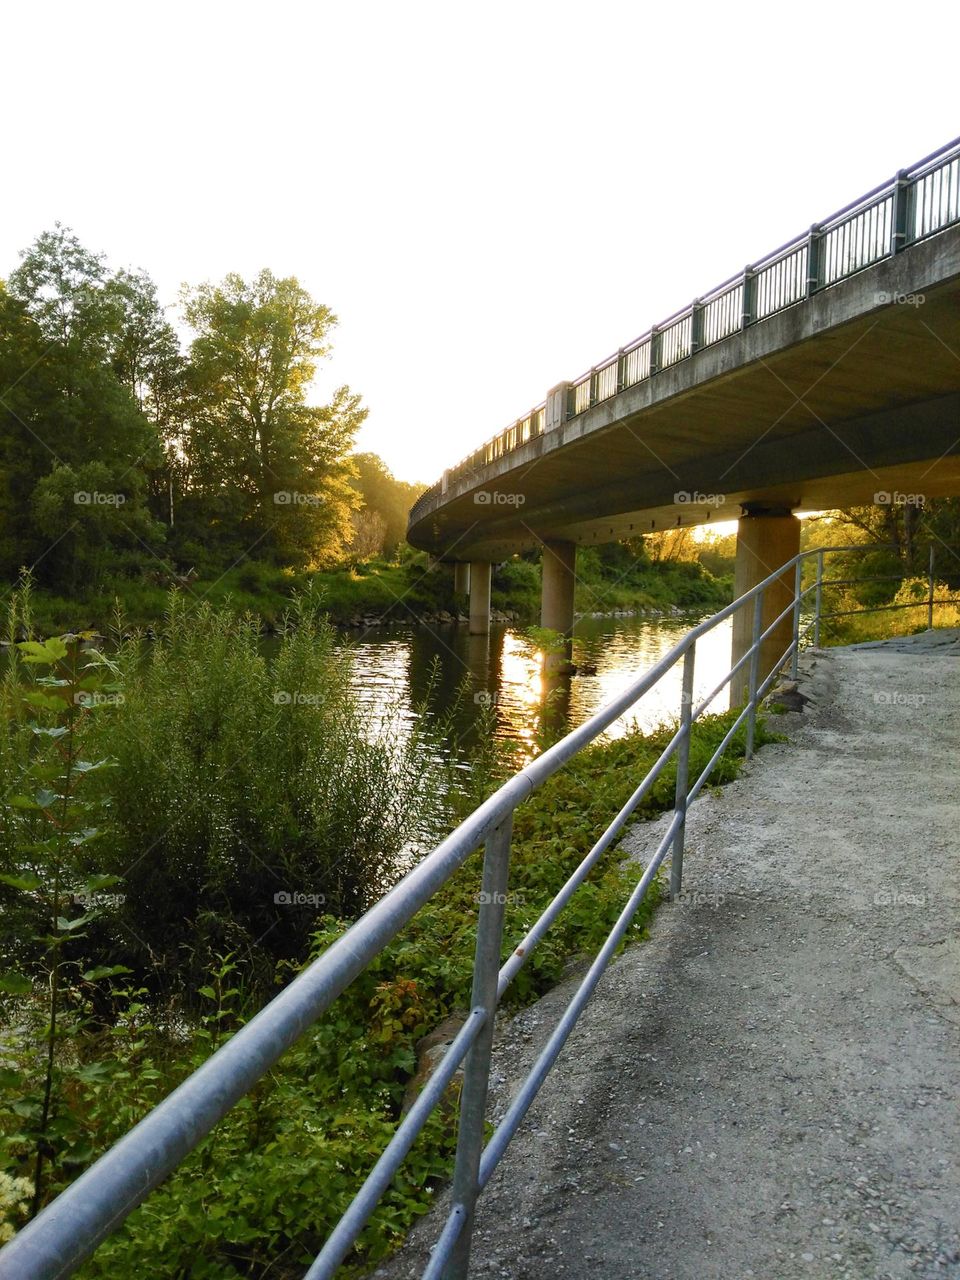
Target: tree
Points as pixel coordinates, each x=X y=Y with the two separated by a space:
x=65 y=407
x=251 y=431
x=146 y=358
x=387 y=497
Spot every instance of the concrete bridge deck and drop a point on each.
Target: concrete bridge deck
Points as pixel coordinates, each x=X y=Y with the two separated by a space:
x=769 y=1086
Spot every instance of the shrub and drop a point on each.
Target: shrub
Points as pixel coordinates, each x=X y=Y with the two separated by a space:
x=248 y=794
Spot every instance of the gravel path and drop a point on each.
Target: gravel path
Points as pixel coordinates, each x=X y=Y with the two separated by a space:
x=769 y=1085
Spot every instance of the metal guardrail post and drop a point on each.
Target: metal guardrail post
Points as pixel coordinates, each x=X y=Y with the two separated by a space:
x=654 y=350
x=900 y=214
x=683 y=771
x=621 y=370
x=473 y=1098
x=571 y=406
x=819 y=601
x=749 y=313
x=696 y=326
x=930 y=588
x=797 y=586
x=813 y=260
x=754 y=674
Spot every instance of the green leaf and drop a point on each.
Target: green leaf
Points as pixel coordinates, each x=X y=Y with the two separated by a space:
x=84 y=836
x=33 y=651
x=51 y=650
x=27 y=880
x=46 y=701
x=88 y=766
x=71 y=926
x=10 y=1079
x=15 y=984
x=105 y=971
x=208 y=992
x=95 y=883
x=45 y=798
x=22 y=802
x=55 y=731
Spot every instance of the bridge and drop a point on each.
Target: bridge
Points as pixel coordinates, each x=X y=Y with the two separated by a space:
x=826 y=374
x=850 y=336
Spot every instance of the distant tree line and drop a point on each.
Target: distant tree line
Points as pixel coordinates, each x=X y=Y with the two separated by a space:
x=125 y=451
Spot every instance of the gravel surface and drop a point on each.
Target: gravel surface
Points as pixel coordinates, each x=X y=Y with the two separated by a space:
x=769 y=1085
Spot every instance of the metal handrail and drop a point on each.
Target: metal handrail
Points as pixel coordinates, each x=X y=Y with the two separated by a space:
x=69 y=1229
x=904 y=223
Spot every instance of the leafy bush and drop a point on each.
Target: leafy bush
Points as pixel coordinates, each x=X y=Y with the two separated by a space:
x=248 y=794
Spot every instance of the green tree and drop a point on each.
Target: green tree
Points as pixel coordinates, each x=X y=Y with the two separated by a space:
x=278 y=463
x=66 y=406
x=385 y=496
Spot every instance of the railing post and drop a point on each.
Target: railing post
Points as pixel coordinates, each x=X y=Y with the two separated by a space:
x=930 y=588
x=473 y=1098
x=749 y=297
x=754 y=669
x=593 y=387
x=654 y=350
x=819 y=601
x=813 y=260
x=900 y=214
x=570 y=410
x=797 y=585
x=696 y=326
x=683 y=771
x=621 y=370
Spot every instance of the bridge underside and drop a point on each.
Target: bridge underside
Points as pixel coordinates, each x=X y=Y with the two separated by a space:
x=841 y=398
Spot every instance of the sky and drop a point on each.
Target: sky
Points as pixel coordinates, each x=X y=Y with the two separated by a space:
x=490 y=197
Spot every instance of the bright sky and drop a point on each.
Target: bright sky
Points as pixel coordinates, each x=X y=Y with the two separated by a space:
x=490 y=197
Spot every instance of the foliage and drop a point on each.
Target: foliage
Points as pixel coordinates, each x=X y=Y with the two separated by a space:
x=260 y=1194
x=886 y=567
x=385 y=497
x=249 y=793
x=58 y=821
x=276 y=462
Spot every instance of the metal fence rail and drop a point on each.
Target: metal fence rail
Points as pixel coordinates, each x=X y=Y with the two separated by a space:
x=69 y=1229
x=917 y=203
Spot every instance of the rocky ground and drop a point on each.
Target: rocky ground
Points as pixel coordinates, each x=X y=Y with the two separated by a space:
x=769 y=1085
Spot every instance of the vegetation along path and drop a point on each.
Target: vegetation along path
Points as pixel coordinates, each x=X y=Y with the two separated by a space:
x=769 y=1085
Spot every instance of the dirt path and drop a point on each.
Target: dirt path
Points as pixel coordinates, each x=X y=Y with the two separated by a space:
x=770 y=1085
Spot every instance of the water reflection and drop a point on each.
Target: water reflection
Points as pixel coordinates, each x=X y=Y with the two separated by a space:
x=395 y=671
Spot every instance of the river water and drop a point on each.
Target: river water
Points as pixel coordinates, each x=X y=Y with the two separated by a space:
x=392 y=670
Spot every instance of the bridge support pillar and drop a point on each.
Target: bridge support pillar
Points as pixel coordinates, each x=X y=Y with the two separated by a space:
x=461 y=578
x=480 y=574
x=559 y=579
x=766 y=538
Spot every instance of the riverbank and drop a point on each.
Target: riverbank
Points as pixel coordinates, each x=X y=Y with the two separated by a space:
x=361 y=1058
x=377 y=592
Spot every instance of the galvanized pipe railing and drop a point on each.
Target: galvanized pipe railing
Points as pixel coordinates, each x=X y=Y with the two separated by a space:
x=914 y=204
x=68 y=1230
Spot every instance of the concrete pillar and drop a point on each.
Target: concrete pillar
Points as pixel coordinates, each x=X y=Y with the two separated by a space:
x=559 y=580
x=480 y=574
x=461 y=578
x=558 y=401
x=766 y=539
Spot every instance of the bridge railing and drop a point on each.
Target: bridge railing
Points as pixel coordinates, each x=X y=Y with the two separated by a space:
x=69 y=1229
x=916 y=203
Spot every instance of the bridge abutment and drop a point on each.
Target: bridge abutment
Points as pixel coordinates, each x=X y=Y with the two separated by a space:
x=766 y=538
x=480 y=572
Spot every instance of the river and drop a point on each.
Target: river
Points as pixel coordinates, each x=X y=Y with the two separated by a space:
x=391 y=670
